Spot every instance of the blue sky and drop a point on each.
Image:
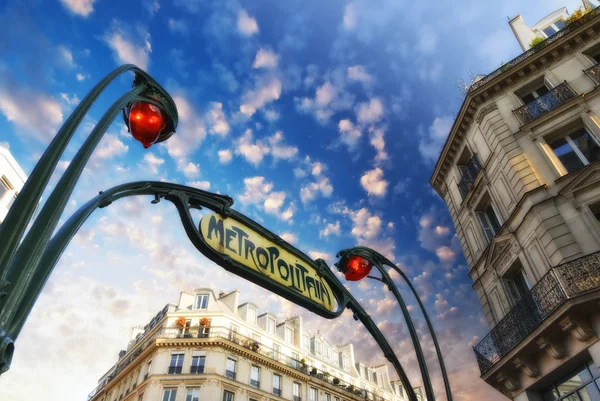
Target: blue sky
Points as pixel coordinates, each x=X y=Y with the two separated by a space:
x=322 y=119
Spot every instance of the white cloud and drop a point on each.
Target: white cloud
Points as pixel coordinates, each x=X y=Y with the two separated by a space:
x=190 y=132
x=431 y=142
x=289 y=237
x=359 y=73
x=279 y=150
x=34 y=112
x=310 y=191
x=445 y=254
x=327 y=257
x=66 y=57
x=225 y=156
x=72 y=100
x=378 y=142
x=367 y=229
x=369 y=112
x=80 y=77
x=265 y=58
x=265 y=92
x=330 y=229
x=350 y=16
x=204 y=185
x=127 y=47
x=246 y=25
x=329 y=99
x=152 y=6
x=299 y=173
x=178 y=26
x=271 y=115
x=374 y=183
x=259 y=192
x=217 y=121
x=427 y=40
x=349 y=134
x=253 y=152
x=152 y=163
x=317 y=169
x=80 y=7
x=190 y=170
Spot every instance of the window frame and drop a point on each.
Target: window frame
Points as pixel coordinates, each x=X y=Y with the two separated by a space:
x=175 y=369
x=230 y=393
x=582 y=158
x=254 y=368
x=198 y=358
x=482 y=212
x=198 y=304
x=192 y=389
x=172 y=394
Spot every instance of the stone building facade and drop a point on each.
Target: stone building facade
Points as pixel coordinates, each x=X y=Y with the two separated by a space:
x=520 y=175
x=209 y=347
x=12 y=178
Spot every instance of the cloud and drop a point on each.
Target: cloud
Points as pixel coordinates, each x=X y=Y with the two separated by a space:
x=373 y=182
x=266 y=91
x=369 y=112
x=246 y=25
x=151 y=6
x=226 y=77
x=265 y=58
x=279 y=150
x=289 y=237
x=204 y=185
x=330 y=229
x=178 y=26
x=71 y=100
x=329 y=99
x=350 y=17
x=225 y=156
x=128 y=47
x=327 y=257
x=259 y=192
x=253 y=152
x=349 y=134
x=271 y=115
x=151 y=163
x=82 y=8
x=427 y=40
x=66 y=57
x=431 y=142
x=378 y=142
x=445 y=254
x=190 y=169
x=36 y=113
x=359 y=73
x=189 y=136
x=217 y=121
x=80 y=77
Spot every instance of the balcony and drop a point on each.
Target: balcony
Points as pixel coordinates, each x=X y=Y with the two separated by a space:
x=277 y=392
x=254 y=383
x=297 y=398
x=594 y=73
x=558 y=95
x=230 y=374
x=196 y=370
x=561 y=283
x=174 y=370
x=469 y=174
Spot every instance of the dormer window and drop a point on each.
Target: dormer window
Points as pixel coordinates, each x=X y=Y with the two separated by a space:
x=251 y=315
x=271 y=325
x=202 y=301
x=289 y=335
x=553 y=28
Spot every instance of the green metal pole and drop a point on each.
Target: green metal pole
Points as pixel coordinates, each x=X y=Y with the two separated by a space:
x=19 y=215
x=25 y=261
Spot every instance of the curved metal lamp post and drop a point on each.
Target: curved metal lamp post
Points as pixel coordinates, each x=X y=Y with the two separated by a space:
x=154 y=121
x=356 y=263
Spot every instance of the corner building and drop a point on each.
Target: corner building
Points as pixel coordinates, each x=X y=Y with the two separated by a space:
x=520 y=174
x=208 y=347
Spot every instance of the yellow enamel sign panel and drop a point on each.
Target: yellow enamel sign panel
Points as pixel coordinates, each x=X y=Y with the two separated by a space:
x=247 y=247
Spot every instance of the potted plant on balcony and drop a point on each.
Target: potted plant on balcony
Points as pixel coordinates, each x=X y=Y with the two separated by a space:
x=336 y=381
x=313 y=371
x=204 y=328
x=255 y=346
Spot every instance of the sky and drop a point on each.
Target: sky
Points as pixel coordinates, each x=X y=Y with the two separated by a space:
x=321 y=119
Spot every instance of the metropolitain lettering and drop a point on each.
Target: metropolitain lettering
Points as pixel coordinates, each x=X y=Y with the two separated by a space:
x=268 y=260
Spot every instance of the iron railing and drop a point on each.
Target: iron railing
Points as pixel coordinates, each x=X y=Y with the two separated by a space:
x=174 y=370
x=254 y=383
x=549 y=101
x=297 y=398
x=277 y=391
x=562 y=282
x=197 y=370
x=594 y=73
x=230 y=374
x=469 y=174
x=523 y=56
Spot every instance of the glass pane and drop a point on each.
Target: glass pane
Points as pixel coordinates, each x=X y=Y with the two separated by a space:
x=593 y=368
x=550 y=394
x=576 y=380
x=492 y=217
x=542 y=90
x=587 y=145
x=566 y=155
x=549 y=31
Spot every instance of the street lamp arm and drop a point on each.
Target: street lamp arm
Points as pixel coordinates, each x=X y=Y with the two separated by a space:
x=19 y=215
x=23 y=264
x=431 y=330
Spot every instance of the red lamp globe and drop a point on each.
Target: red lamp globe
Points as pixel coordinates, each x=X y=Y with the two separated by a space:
x=356 y=268
x=146 y=122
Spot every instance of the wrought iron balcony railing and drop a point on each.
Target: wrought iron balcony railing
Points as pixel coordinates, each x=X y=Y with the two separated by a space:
x=297 y=398
x=594 y=73
x=174 y=370
x=277 y=392
x=254 y=383
x=230 y=374
x=549 y=101
x=561 y=283
x=469 y=174
x=196 y=370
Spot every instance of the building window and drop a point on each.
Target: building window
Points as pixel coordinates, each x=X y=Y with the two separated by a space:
x=327 y=353
x=140 y=397
x=192 y=394
x=202 y=301
x=327 y=397
x=576 y=150
x=534 y=92
x=312 y=394
x=517 y=282
x=148 y=366
x=345 y=362
x=296 y=391
x=277 y=385
x=255 y=376
x=169 y=394
x=176 y=364
x=595 y=209
x=295 y=360
x=580 y=384
x=306 y=342
x=289 y=335
x=5 y=186
x=487 y=218
x=379 y=379
x=276 y=351
x=197 y=364
x=230 y=368
x=251 y=315
x=227 y=395
x=553 y=28
x=233 y=333
x=270 y=325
